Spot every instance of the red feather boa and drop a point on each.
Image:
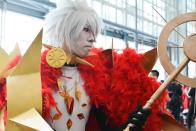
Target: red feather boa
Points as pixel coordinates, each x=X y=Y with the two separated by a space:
x=49 y=84
x=117 y=90
x=121 y=89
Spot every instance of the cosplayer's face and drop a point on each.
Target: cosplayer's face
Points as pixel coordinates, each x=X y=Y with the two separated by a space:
x=84 y=43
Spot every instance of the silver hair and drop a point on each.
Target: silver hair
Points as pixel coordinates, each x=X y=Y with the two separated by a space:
x=64 y=24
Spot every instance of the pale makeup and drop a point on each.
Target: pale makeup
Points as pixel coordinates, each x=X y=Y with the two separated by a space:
x=84 y=43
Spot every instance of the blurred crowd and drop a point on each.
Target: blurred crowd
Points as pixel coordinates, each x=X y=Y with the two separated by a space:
x=181 y=102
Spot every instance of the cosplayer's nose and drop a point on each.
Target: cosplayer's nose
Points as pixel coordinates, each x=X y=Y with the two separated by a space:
x=91 y=39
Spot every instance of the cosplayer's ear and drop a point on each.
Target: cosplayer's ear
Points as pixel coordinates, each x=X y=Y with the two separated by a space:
x=149 y=59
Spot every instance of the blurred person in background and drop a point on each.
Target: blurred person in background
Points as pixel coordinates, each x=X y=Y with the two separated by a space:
x=191 y=112
x=175 y=102
x=154 y=73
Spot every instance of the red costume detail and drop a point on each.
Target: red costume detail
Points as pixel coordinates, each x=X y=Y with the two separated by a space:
x=117 y=90
x=121 y=89
x=49 y=77
x=2 y=92
x=14 y=62
x=70 y=106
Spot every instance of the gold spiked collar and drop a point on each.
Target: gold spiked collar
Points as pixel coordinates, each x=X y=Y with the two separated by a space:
x=57 y=57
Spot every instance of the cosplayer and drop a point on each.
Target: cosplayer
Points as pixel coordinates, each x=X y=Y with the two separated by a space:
x=91 y=89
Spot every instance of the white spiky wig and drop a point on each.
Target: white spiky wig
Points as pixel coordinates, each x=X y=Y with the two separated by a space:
x=64 y=24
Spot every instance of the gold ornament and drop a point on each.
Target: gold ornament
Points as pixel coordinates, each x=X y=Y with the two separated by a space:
x=78 y=92
x=57 y=116
x=62 y=94
x=59 y=83
x=56 y=57
x=69 y=124
x=69 y=101
x=80 y=116
x=84 y=105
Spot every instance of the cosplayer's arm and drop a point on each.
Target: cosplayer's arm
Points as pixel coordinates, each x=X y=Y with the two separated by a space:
x=137 y=119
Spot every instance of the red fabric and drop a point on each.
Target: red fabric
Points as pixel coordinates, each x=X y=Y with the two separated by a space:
x=92 y=124
x=49 y=78
x=2 y=93
x=119 y=90
x=185 y=98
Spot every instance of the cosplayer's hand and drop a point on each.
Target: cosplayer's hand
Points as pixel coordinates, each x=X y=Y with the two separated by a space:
x=137 y=119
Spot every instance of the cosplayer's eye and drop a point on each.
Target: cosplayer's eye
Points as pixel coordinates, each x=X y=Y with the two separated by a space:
x=86 y=29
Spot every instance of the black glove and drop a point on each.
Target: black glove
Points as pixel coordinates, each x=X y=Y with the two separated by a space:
x=137 y=118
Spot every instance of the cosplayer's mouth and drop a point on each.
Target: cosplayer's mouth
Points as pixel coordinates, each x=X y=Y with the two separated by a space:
x=91 y=41
x=88 y=46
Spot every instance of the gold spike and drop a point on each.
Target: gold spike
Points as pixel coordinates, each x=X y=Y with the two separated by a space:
x=149 y=59
x=16 y=51
x=69 y=58
x=59 y=83
x=48 y=46
x=56 y=58
x=31 y=119
x=30 y=62
x=68 y=99
x=4 y=59
x=81 y=61
x=25 y=78
x=78 y=91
